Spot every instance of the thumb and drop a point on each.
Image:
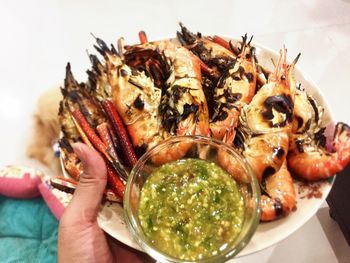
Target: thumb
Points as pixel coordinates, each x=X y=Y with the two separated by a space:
x=88 y=194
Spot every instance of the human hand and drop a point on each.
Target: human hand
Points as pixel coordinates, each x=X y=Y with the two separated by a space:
x=80 y=239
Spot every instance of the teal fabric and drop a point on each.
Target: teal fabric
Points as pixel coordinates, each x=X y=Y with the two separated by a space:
x=28 y=231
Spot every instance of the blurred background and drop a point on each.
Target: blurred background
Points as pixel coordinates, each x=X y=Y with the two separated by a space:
x=39 y=37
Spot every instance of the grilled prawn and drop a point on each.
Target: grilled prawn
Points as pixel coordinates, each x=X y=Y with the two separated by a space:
x=265 y=124
x=265 y=127
x=80 y=118
x=74 y=96
x=235 y=88
x=263 y=138
x=308 y=156
x=135 y=97
x=182 y=109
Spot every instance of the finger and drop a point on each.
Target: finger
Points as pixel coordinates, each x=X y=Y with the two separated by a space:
x=88 y=194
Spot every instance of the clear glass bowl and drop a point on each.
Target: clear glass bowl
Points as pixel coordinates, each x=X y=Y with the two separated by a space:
x=199 y=147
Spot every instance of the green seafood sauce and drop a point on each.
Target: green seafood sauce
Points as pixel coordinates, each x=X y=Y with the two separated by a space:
x=190 y=209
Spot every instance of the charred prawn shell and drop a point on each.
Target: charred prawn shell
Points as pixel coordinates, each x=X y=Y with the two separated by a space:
x=307 y=113
x=153 y=63
x=283 y=104
x=170 y=115
x=76 y=95
x=209 y=52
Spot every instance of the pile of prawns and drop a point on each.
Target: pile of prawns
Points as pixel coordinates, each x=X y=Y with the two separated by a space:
x=138 y=95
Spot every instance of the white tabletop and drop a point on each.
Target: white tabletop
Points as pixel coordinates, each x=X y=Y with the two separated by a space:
x=39 y=37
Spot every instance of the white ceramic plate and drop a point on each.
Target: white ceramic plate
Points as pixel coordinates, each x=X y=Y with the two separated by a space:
x=111 y=217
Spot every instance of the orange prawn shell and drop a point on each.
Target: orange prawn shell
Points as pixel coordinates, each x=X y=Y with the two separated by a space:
x=316 y=163
x=280 y=189
x=308 y=158
x=266 y=153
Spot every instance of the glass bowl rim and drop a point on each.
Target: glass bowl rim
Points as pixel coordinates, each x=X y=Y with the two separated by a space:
x=161 y=256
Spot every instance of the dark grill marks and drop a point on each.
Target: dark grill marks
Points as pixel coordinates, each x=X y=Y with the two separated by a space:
x=249 y=76
x=123 y=73
x=282 y=104
x=188 y=109
x=138 y=103
x=320 y=138
x=186 y=37
x=300 y=122
x=134 y=72
x=222 y=115
x=229 y=96
x=177 y=92
x=300 y=145
x=220 y=108
x=268 y=172
x=307 y=125
x=73 y=95
x=155 y=74
x=239 y=139
x=241 y=72
x=170 y=116
x=195 y=44
x=76 y=97
x=180 y=37
x=341 y=128
x=232 y=97
x=152 y=62
x=208 y=89
x=85 y=112
x=314 y=106
x=140 y=150
x=135 y=84
x=64 y=143
x=200 y=50
x=278 y=207
x=220 y=104
x=96 y=64
x=94 y=74
x=221 y=63
x=61 y=108
x=278 y=152
x=221 y=82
